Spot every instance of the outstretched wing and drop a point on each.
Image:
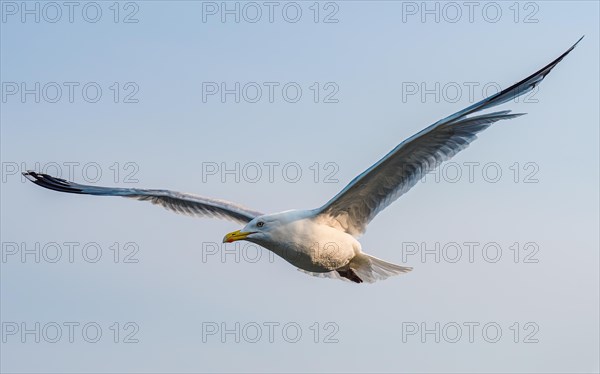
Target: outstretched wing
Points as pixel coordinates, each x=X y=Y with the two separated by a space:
x=176 y=201
x=397 y=172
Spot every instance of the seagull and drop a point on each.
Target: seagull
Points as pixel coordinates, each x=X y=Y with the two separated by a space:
x=323 y=241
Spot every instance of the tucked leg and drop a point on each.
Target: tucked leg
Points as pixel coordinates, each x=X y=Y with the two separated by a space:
x=350 y=274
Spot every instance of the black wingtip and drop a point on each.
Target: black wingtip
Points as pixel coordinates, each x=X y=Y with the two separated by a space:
x=574 y=45
x=50 y=182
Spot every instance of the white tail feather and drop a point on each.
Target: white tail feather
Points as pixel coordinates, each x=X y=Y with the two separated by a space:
x=371 y=269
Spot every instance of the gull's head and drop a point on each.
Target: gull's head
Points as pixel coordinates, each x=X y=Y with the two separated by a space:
x=259 y=229
x=263 y=229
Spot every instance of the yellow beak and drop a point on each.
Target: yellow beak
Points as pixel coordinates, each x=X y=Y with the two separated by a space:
x=235 y=236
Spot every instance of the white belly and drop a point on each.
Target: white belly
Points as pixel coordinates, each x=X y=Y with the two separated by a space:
x=314 y=247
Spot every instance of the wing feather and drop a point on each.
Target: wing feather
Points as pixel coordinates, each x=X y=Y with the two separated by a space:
x=398 y=171
x=177 y=202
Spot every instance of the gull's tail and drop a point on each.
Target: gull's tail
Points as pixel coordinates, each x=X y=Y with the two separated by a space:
x=371 y=269
x=363 y=268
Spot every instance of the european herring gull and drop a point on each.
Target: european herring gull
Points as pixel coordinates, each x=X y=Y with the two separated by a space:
x=323 y=241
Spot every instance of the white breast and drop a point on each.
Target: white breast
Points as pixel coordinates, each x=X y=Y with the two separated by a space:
x=312 y=246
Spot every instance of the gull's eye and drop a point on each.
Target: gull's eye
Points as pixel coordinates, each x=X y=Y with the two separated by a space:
x=260 y=224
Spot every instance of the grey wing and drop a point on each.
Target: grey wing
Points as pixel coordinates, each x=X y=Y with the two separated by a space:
x=397 y=172
x=176 y=201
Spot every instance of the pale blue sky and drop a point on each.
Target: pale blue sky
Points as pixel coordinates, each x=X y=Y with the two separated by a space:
x=170 y=136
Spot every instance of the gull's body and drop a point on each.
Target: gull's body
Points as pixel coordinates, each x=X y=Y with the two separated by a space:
x=298 y=240
x=323 y=241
